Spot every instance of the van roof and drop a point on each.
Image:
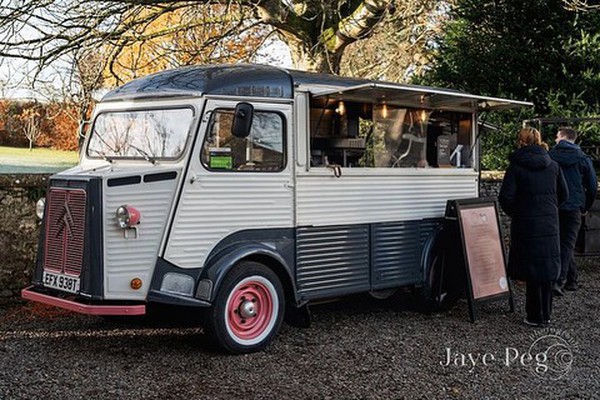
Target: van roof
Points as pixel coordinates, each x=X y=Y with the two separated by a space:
x=266 y=81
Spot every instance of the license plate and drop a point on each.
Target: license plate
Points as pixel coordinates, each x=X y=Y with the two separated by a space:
x=61 y=282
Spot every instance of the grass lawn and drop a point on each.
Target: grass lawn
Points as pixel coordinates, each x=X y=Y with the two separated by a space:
x=16 y=160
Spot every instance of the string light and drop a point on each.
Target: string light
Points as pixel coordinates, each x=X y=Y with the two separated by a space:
x=384 y=111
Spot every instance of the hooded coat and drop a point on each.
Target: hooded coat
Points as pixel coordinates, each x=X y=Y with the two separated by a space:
x=531 y=192
x=579 y=174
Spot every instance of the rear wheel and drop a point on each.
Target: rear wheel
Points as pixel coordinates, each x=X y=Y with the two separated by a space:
x=444 y=271
x=248 y=309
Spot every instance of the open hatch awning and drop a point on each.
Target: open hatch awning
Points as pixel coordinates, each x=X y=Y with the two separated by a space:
x=420 y=97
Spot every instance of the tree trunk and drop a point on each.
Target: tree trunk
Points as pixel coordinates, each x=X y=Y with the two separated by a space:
x=323 y=52
x=312 y=58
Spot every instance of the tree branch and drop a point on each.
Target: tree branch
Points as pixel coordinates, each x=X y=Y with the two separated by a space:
x=356 y=26
x=581 y=5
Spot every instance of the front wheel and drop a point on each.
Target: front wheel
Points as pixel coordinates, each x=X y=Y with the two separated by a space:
x=248 y=309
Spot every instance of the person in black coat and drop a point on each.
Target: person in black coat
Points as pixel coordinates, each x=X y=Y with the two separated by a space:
x=531 y=192
x=581 y=180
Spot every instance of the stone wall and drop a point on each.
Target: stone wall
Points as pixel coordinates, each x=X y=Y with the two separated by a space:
x=19 y=227
x=490 y=187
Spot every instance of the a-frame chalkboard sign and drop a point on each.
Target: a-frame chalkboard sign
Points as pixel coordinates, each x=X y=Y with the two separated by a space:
x=483 y=249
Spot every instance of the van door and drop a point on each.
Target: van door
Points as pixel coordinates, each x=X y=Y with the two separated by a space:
x=234 y=184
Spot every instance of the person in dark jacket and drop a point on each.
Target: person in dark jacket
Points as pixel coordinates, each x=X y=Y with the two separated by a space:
x=581 y=180
x=531 y=192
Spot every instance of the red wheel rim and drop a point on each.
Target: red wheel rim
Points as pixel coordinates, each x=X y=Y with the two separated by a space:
x=250 y=310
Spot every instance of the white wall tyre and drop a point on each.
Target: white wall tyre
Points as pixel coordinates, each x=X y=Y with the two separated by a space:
x=248 y=309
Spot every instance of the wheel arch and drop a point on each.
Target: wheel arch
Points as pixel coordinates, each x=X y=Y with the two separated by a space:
x=444 y=241
x=222 y=265
x=277 y=266
x=428 y=252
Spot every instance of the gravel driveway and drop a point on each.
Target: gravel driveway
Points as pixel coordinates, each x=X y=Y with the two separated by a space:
x=357 y=348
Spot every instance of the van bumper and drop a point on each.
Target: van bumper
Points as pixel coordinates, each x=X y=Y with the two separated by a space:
x=91 y=309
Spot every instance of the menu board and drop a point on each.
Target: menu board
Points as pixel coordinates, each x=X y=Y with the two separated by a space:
x=443 y=150
x=483 y=250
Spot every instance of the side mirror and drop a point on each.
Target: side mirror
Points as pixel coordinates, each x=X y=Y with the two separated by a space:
x=242 y=120
x=84 y=127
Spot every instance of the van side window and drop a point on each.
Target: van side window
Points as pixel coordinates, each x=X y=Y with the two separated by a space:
x=262 y=150
x=367 y=135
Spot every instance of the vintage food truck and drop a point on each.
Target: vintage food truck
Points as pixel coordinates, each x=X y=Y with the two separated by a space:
x=249 y=191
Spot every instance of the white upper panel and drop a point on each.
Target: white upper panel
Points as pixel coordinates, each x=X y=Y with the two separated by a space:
x=379 y=195
x=125 y=259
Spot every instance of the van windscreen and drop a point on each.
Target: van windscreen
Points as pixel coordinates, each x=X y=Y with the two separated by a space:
x=144 y=134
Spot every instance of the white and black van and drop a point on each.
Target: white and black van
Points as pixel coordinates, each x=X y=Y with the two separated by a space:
x=249 y=191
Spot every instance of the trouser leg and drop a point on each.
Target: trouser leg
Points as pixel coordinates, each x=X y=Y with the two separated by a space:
x=572 y=274
x=533 y=302
x=546 y=300
x=570 y=221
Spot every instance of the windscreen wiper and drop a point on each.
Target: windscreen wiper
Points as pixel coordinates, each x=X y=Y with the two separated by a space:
x=106 y=158
x=144 y=154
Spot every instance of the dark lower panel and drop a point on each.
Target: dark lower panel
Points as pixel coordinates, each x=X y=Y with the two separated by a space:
x=329 y=261
x=332 y=261
x=396 y=252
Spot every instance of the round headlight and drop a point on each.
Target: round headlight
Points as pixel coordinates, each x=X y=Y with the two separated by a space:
x=39 y=207
x=127 y=216
x=123 y=216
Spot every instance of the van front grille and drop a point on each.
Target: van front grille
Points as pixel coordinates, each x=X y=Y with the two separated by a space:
x=65 y=230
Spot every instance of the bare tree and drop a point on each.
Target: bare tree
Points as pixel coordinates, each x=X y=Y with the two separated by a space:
x=69 y=90
x=31 y=123
x=582 y=5
x=89 y=75
x=3 y=87
x=401 y=46
x=207 y=39
x=317 y=32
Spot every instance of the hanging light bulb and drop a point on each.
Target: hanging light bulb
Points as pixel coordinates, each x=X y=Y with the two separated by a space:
x=384 y=111
x=341 y=108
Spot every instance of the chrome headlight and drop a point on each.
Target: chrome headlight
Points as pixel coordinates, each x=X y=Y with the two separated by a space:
x=39 y=207
x=127 y=216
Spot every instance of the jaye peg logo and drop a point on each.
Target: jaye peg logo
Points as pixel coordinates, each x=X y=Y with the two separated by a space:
x=549 y=354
